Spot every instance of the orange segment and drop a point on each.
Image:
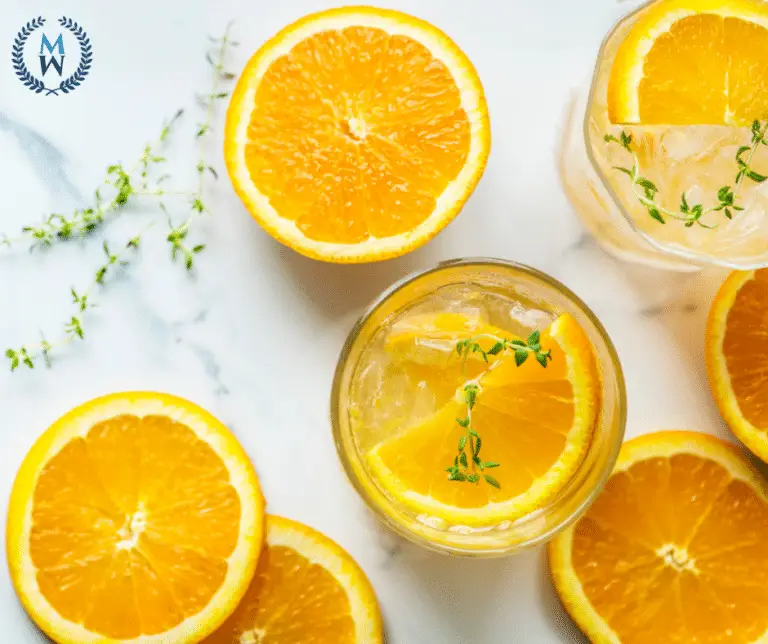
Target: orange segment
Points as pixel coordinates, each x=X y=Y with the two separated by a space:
x=134 y=516
x=536 y=422
x=688 y=62
x=424 y=348
x=306 y=589
x=356 y=134
x=673 y=550
x=737 y=355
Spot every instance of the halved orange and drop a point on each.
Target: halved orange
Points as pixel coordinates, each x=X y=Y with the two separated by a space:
x=306 y=589
x=693 y=62
x=356 y=134
x=737 y=356
x=135 y=517
x=674 y=548
x=536 y=422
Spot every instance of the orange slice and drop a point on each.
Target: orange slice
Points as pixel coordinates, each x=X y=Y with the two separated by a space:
x=537 y=423
x=306 y=589
x=430 y=338
x=737 y=356
x=674 y=548
x=135 y=517
x=693 y=62
x=423 y=347
x=356 y=134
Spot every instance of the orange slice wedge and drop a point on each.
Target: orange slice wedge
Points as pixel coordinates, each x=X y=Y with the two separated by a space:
x=306 y=589
x=136 y=517
x=674 y=548
x=737 y=356
x=424 y=348
x=357 y=134
x=536 y=422
x=430 y=338
x=693 y=62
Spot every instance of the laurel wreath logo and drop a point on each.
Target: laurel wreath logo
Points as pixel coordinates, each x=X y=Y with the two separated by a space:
x=37 y=85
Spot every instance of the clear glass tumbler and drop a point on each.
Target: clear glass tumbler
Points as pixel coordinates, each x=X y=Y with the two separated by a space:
x=370 y=403
x=692 y=160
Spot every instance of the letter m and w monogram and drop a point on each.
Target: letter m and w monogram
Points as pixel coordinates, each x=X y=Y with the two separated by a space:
x=45 y=63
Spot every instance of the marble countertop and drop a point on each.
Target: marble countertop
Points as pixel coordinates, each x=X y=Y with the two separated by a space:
x=253 y=334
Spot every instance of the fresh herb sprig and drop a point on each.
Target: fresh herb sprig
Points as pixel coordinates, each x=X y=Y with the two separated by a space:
x=82 y=300
x=124 y=186
x=468 y=466
x=691 y=214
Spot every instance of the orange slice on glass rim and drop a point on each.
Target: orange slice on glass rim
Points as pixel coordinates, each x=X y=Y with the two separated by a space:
x=136 y=517
x=674 y=548
x=688 y=62
x=356 y=134
x=306 y=589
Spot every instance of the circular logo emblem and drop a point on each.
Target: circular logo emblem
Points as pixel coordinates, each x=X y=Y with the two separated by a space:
x=63 y=56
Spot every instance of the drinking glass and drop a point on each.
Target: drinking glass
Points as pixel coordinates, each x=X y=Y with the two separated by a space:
x=514 y=296
x=695 y=160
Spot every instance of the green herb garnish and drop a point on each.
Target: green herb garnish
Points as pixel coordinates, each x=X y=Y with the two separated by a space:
x=691 y=214
x=126 y=185
x=467 y=464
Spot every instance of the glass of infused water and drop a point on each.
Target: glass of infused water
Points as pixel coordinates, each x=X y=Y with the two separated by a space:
x=478 y=407
x=665 y=158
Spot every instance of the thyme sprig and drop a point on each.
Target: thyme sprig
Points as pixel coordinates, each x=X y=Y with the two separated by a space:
x=125 y=186
x=82 y=301
x=82 y=222
x=468 y=466
x=691 y=214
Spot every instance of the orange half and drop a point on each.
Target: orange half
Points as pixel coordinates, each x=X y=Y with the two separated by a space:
x=689 y=62
x=356 y=134
x=674 y=548
x=737 y=356
x=136 y=517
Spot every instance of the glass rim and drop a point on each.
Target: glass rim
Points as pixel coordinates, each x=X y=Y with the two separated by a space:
x=417 y=536
x=694 y=257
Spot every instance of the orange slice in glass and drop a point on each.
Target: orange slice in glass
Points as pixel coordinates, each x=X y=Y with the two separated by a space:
x=135 y=517
x=693 y=62
x=306 y=589
x=737 y=356
x=356 y=134
x=674 y=548
x=536 y=422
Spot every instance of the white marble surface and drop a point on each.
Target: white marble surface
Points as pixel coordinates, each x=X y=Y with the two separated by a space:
x=254 y=334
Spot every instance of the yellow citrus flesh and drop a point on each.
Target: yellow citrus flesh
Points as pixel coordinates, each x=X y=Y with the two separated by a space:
x=356 y=134
x=536 y=422
x=737 y=356
x=674 y=548
x=688 y=62
x=424 y=347
x=430 y=338
x=306 y=589
x=135 y=517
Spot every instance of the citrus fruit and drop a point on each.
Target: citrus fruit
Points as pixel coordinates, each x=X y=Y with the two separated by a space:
x=674 y=548
x=306 y=589
x=424 y=348
x=135 y=517
x=693 y=62
x=356 y=134
x=536 y=422
x=737 y=356
x=430 y=338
